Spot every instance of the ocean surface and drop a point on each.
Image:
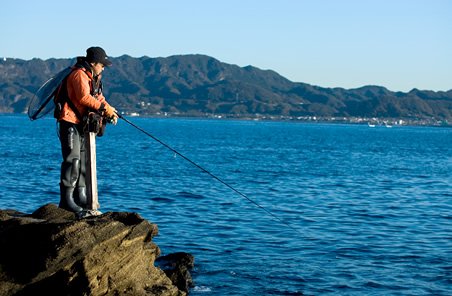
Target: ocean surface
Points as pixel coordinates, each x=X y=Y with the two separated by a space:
x=372 y=207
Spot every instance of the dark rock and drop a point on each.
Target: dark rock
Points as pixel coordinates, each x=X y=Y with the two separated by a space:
x=177 y=266
x=52 y=252
x=175 y=259
x=4 y=216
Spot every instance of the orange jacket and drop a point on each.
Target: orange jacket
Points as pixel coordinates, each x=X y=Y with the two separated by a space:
x=79 y=92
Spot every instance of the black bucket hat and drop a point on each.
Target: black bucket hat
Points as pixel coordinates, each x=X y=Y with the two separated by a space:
x=97 y=55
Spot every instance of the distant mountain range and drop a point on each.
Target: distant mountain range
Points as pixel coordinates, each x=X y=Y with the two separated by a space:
x=199 y=86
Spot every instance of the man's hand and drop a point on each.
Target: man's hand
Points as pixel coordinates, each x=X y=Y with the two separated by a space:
x=111 y=112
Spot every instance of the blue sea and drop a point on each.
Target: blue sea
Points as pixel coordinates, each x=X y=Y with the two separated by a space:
x=371 y=207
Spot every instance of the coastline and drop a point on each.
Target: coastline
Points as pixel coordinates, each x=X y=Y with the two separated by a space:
x=371 y=121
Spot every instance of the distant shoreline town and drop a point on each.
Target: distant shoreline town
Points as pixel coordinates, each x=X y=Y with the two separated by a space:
x=370 y=121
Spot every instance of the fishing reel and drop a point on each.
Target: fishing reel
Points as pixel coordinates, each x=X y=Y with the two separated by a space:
x=109 y=119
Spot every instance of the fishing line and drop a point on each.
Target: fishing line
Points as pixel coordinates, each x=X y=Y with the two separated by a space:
x=215 y=177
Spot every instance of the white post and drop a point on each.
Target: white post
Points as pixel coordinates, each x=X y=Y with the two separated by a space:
x=91 y=173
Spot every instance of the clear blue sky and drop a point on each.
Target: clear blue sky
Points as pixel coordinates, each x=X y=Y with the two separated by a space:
x=399 y=44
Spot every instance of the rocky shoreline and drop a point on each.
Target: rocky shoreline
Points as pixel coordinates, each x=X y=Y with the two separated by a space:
x=52 y=252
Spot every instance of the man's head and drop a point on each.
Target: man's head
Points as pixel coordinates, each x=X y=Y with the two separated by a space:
x=97 y=57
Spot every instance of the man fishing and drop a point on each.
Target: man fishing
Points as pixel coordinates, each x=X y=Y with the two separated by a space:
x=84 y=94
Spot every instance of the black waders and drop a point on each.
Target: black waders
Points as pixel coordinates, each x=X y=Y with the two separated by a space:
x=72 y=186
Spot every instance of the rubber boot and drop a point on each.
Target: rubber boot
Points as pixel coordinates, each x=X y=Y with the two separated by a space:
x=67 y=199
x=80 y=197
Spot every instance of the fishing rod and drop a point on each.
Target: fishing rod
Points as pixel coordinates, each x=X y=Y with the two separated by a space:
x=215 y=177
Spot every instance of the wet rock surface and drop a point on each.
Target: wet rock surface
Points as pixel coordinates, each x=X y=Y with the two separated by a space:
x=53 y=252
